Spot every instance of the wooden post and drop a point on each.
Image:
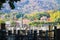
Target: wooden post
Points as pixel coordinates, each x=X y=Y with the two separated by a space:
x=55 y=33
x=50 y=33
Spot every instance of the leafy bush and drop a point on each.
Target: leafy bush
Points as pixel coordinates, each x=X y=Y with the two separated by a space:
x=37 y=15
x=13 y=24
x=2 y=21
x=41 y=23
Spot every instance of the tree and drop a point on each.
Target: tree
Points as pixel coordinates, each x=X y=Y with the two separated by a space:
x=54 y=15
x=11 y=3
x=57 y=20
x=36 y=15
x=2 y=21
x=19 y=15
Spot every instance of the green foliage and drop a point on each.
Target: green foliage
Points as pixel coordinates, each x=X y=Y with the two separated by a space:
x=41 y=23
x=34 y=23
x=57 y=20
x=13 y=23
x=19 y=15
x=54 y=15
x=7 y=16
x=11 y=5
x=38 y=15
x=2 y=21
x=1 y=13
